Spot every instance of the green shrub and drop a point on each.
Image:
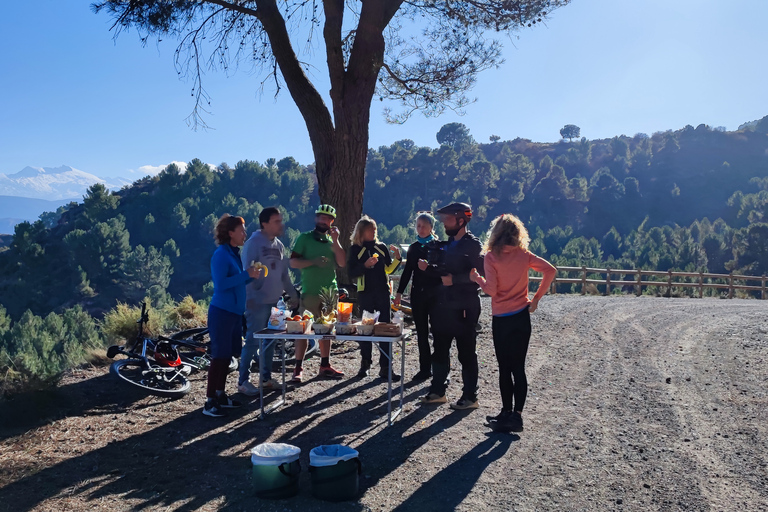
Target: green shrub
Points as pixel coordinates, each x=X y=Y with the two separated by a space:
x=120 y=323
x=34 y=351
x=186 y=314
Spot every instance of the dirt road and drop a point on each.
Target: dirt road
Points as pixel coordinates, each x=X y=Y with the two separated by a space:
x=634 y=404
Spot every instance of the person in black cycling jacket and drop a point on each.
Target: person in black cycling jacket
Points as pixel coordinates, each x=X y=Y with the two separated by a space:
x=456 y=310
x=370 y=262
x=423 y=289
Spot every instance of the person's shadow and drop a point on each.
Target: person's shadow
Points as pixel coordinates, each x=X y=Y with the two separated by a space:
x=449 y=487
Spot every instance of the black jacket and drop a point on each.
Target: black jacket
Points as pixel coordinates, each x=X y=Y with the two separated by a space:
x=457 y=259
x=423 y=283
x=371 y=280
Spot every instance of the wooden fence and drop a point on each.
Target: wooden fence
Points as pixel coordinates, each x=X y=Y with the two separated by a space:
x=641 y=278
x=669 y=279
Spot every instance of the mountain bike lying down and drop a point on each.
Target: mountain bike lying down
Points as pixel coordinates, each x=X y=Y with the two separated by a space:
x=194 y=346
x=152 y=364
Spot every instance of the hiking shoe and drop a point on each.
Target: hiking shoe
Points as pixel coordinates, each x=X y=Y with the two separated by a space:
x=384 y=374
x=213 y=409
x=365 y=366
x=271 y=385
x=516 y=422
x=423 y=375
x=228 y=403
x=503 y=414
x=298 y=375
x=463 y=404
x=433 y=398
x=329 y=372
x=247 y=389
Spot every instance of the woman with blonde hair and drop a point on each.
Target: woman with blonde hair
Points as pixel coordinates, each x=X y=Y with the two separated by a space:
x=370 y=262
x=507 y=260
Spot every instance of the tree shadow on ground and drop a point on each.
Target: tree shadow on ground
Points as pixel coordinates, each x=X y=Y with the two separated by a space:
x=193 y=461
x=450 y=486
x=91 y=396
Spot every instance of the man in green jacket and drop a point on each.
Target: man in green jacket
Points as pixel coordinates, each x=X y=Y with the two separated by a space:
x=317 y=253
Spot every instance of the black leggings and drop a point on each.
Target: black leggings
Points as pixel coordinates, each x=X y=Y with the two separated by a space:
x=371 y=301
x=511 y=335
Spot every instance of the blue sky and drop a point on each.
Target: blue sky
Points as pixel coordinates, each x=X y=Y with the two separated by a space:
x=72 y=95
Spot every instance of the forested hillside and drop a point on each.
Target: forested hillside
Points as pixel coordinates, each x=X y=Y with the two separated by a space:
x=692 y=199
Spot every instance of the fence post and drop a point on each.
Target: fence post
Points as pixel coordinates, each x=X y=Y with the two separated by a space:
x=583 y=280
x=730 y=285
x=701 y=285
x=553 y=286
x=669 y=283
x=762 y=293
x=608 y=281
x=639 y=285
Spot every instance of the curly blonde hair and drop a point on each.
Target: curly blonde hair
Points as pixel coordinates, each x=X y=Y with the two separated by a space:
x=507 y=229
x=364 y=223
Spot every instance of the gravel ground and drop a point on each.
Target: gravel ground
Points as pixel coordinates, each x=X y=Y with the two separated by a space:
x=634 y=404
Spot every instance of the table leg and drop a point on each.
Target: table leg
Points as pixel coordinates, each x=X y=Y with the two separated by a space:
x=273 y=406
x=261 y=372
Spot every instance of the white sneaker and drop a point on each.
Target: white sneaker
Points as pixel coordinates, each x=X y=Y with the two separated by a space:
x=247 y=389
x=271 y=384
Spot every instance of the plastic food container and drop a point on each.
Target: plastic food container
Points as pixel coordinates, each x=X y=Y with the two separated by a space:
x=322 y=328
x=364 y=330
x=295 y=326
x=345 y=329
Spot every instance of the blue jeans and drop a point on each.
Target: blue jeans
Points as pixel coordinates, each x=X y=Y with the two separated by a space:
x=256 y=318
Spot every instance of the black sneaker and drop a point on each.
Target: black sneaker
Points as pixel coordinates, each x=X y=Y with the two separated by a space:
x=383 y=374
x=503 y=414
x=365 y=366
x=516 y=421
x=213 y=409
x=227 y=403
x=423 y=375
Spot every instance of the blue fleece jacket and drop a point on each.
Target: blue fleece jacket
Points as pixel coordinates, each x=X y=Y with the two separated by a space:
x=229 y=279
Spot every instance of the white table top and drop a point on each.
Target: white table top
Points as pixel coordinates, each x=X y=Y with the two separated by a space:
x=269 y=334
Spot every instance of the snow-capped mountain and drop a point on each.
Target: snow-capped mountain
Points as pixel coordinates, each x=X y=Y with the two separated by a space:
x=54 y=183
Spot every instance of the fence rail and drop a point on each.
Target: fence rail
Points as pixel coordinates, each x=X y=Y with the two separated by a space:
x=703 y=280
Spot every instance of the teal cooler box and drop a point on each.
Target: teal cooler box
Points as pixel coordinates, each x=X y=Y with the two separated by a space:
x=276 y=469
x=335 y=471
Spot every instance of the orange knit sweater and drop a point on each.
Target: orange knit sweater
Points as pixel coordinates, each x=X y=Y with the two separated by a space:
x=506 y=278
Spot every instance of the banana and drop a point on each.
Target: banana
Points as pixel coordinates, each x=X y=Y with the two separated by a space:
x=261 y=266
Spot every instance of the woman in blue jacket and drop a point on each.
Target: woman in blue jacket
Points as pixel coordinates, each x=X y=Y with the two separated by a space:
x=225 y=314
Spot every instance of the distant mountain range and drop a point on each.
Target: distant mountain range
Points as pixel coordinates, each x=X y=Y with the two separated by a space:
x=33 y=190
x=53 y=183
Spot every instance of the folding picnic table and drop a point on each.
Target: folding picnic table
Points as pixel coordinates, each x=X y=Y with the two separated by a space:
x=267 y=337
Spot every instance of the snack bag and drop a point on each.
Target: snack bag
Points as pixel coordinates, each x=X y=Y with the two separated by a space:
x=345 y=312
x=277 y=319
x=370 y=318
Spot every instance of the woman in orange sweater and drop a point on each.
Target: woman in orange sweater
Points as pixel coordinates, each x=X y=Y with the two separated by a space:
x=507 y=261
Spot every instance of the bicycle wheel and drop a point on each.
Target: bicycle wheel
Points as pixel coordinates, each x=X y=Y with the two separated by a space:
x=155 y=380
x=290 y=350
x=192 y=356
x=198 y=335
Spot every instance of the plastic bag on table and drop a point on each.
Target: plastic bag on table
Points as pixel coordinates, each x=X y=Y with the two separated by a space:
x=370 y=318
x=277 y=318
